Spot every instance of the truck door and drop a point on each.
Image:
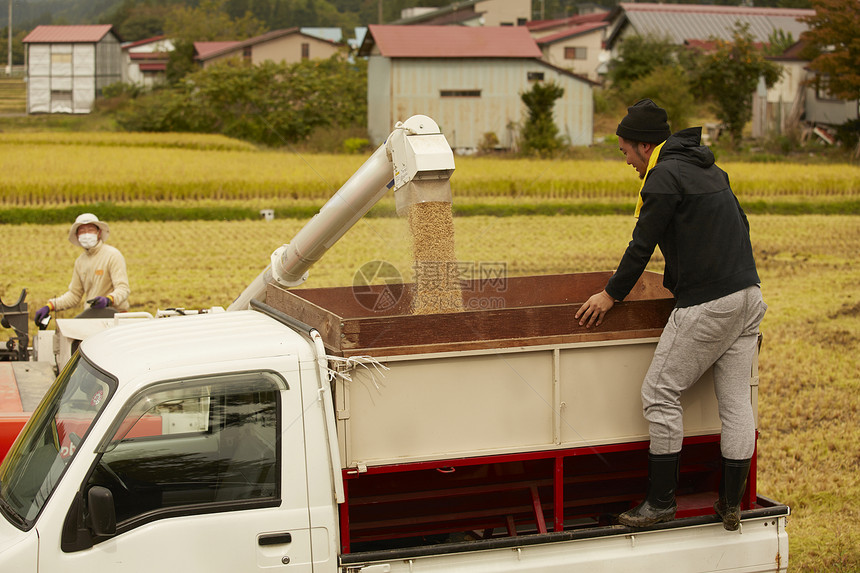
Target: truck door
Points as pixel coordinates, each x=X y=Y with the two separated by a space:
x=197 y=474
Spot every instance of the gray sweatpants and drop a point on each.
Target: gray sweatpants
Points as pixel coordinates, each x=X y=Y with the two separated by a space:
x=722 y=333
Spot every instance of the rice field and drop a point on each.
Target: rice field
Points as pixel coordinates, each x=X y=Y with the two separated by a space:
x=809 y=394
x=63 y=168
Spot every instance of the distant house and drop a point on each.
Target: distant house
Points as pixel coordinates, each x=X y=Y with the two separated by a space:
x=145 y=61
x=574 y=43
x=799 y=97
x=290 y=45
x=696 y=26
x=469 y=80
x=68 y=66
x=469 y=13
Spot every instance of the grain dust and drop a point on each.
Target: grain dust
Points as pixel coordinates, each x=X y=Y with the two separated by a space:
x=437 y=280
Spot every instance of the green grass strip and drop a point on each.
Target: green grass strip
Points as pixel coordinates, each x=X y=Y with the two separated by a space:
x=114 y=212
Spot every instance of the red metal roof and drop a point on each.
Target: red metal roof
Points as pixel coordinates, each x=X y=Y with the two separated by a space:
x=571 y=32
x=454 y=42
x=67 y=34
x=537 y=25
x=204 y=49
x=144 y=42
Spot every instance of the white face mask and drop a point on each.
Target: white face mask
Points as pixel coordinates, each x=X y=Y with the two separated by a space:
x=88 y=240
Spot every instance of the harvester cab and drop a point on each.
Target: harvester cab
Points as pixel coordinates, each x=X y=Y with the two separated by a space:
x=15 y=317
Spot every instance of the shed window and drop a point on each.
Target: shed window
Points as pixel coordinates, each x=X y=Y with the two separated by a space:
x=575 y=53
x=460 y=93
x=535 y=76
x=822 y=89
x=306 y=50
x=61 y=58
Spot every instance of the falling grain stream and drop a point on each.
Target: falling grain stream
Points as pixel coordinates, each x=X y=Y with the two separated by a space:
x=437 y=282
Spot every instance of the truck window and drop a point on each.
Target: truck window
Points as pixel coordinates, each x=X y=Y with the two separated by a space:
x=191 y=446
x=33 y=467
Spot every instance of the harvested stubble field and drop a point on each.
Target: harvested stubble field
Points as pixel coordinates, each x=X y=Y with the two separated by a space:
x=808 y=401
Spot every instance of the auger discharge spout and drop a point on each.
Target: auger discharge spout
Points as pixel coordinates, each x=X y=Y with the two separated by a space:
x=416 y=161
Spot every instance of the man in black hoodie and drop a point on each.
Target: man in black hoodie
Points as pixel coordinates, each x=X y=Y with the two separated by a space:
x=687 y=208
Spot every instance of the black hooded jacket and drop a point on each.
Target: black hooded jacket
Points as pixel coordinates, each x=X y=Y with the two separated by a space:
x=690 y=211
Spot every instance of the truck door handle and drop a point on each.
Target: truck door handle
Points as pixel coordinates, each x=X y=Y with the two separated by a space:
x=274 y=539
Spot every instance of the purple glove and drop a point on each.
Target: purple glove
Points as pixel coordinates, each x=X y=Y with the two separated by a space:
x=99 y=302
x=41 y=314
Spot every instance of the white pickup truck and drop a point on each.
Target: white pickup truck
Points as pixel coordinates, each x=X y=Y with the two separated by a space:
x=238 y=441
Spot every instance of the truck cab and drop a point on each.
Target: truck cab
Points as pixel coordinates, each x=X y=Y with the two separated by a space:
x=136 y=444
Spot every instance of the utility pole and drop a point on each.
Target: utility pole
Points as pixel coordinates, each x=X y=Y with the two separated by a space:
x=9 y=29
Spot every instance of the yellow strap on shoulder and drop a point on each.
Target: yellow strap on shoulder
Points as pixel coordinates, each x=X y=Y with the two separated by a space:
x=652 y=161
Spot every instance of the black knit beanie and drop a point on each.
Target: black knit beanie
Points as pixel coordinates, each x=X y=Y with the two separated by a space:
x=646 y=122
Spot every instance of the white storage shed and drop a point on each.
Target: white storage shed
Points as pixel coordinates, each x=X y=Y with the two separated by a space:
x=68 y=66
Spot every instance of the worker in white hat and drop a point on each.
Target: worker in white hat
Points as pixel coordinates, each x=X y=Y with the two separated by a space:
x=100 y=277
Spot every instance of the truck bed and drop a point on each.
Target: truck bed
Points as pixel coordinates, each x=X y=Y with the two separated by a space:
x=507 y=419
x=505 y=496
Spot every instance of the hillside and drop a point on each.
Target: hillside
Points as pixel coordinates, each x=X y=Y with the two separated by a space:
x=136 y=19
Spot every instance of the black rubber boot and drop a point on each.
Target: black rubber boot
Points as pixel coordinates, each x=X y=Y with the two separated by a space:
x=659 y=504
x=732 y=486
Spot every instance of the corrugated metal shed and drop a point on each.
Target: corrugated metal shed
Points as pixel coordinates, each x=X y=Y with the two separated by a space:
x=450 y=42
x=680 y=22
x=67 y=34
x=467 y=79
x=69 y=66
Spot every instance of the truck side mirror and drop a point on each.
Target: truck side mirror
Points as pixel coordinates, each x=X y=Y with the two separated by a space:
x=102 y=513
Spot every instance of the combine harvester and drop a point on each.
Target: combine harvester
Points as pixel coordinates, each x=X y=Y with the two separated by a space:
x=301 y=431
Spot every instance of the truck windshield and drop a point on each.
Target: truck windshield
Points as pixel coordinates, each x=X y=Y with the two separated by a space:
x=47 y=443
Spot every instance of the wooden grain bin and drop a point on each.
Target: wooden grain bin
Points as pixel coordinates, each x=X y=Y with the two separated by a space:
x=518 y=374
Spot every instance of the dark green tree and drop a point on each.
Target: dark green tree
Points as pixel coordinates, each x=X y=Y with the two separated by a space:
x=638 y=56
x=207 y=22
x=730 y=74
x=272 y=104
x=540 y=133
x=669 y=86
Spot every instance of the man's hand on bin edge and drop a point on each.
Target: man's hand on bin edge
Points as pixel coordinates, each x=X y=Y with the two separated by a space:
x=591 y=313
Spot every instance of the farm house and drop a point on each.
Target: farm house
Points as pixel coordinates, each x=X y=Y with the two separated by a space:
x=469 y=80
x=290 y=45
x=145 y=61
x=68 y=66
